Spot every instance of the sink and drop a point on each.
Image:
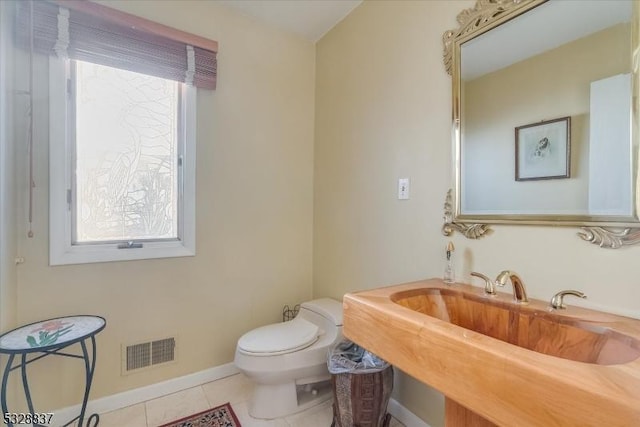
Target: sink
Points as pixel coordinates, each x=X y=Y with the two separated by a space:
x=543 y=331
x=500 y=363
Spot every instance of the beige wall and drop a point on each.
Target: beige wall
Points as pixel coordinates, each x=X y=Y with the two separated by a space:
x=8 y=231
x=9 y=104
x=383 y=111
x=254 y=217
x=492 y=110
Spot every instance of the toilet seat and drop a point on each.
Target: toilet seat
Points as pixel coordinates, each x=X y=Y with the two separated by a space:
x=279 y=338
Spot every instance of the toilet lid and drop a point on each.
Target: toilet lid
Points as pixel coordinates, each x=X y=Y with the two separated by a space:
x=279 y=338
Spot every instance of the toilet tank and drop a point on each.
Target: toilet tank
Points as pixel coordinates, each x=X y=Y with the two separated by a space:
x=329 y=309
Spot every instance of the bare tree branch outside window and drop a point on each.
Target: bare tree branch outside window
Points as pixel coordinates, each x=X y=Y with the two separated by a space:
x=126 y=155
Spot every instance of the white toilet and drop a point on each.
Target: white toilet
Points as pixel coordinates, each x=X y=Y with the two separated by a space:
x=287 y=362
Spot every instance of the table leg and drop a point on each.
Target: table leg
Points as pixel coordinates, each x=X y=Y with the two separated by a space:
x=25 y=383
x=90 y=366
x=3 y=391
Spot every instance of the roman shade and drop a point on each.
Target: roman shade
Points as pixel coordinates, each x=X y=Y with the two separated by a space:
x=94 y=33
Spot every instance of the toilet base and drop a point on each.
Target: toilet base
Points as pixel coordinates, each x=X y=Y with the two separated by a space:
x=279 y=400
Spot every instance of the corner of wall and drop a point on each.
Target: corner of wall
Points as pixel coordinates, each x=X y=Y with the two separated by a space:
x=8 y=242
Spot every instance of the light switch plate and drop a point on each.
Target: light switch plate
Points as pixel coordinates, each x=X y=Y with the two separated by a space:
x=403 y=188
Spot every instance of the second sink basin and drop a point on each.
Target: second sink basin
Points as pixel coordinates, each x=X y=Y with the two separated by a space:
x=542 y=331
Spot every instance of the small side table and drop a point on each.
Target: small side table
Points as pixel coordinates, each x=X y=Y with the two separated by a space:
x=49 y=338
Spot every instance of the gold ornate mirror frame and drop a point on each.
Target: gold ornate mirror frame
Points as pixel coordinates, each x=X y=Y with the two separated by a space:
x=484 y=16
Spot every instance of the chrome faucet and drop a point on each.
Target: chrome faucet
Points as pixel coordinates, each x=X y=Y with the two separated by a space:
x=519 y=291
x=489 y=285
x=557 y=300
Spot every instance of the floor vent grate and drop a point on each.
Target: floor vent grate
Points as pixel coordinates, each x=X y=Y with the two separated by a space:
x=148 y=354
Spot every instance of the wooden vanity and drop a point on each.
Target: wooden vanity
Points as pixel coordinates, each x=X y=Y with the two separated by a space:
x=502 y=363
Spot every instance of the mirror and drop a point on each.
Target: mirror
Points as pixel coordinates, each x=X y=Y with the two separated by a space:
x=545 y=124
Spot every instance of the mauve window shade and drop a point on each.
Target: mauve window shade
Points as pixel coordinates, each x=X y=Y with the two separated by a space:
x=109 y=43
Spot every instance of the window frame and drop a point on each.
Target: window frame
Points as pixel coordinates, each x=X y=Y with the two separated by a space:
x=62 y=250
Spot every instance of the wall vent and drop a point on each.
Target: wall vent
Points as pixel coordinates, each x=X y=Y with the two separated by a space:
x=147 y=354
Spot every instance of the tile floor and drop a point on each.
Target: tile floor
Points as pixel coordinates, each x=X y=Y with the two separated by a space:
x=235 y=389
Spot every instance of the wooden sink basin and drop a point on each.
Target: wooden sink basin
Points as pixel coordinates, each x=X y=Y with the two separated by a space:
x=503 y=364
x=543 y=331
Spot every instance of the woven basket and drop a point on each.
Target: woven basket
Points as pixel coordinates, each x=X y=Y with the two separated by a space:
x=360 y=400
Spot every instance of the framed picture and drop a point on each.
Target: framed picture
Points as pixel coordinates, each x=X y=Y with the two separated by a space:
x=543 y=150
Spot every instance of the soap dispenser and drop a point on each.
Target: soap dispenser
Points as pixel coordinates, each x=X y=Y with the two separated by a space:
x=449 y=274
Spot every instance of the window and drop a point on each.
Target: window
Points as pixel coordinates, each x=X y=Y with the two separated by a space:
x=122 y=165
x=122 y=109
x=126 y=151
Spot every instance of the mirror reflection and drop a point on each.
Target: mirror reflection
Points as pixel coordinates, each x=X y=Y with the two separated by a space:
x=546 y=113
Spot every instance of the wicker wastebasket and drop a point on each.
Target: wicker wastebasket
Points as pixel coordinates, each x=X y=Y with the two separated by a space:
x=360 y=400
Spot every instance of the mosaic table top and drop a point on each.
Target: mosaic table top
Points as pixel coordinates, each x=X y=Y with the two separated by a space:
x=50 y=333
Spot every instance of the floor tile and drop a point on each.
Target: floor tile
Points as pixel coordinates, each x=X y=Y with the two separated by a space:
x=234 y=389
x=131 y=416
x=242 y=411
x=393 y=423
x=176 y=406
x=317 y=416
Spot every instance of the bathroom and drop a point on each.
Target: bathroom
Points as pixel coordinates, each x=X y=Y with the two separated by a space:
x=299 y=152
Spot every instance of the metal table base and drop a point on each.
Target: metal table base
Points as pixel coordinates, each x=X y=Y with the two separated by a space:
x=88 y=356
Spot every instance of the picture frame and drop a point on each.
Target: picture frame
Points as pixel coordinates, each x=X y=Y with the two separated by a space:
x=543 y=150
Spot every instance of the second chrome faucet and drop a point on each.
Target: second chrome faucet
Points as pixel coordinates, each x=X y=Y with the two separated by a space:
x=519 y=290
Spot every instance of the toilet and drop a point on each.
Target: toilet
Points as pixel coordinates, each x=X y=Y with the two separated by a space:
x=287 y=362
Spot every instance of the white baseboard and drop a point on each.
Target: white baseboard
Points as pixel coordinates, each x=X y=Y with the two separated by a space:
x=405 y=416
x=142 y=394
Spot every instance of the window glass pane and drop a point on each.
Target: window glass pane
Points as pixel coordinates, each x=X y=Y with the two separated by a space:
x=126 y=155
